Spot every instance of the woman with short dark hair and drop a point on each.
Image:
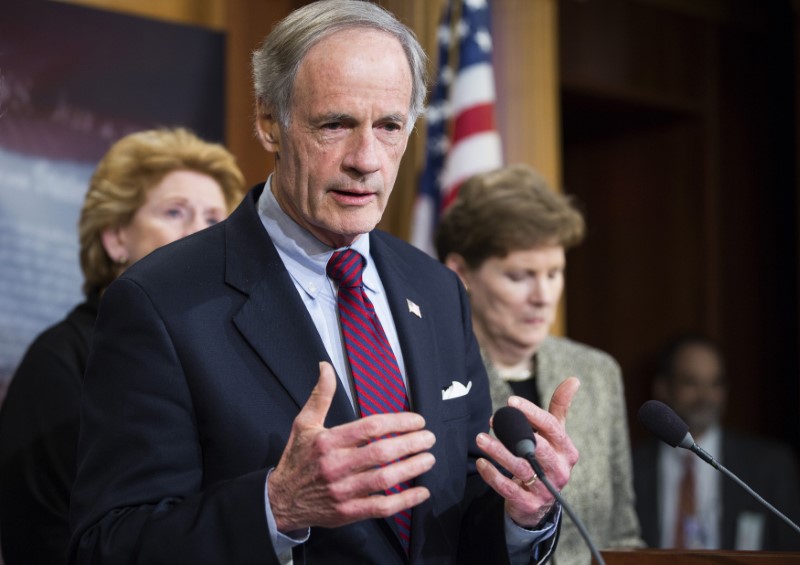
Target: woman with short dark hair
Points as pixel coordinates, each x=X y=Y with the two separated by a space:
x=506 y=236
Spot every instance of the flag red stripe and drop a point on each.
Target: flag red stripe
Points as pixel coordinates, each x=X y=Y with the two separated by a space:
x=449 y=197
x=472 y=120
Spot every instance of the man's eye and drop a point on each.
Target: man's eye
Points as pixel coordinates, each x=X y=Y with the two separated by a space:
x=332 y=126
x=391 y=127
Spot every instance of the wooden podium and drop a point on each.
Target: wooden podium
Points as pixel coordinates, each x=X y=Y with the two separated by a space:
x=704 y=557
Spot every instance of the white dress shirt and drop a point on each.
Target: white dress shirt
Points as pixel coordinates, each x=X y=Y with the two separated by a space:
x=305 y=258
x=708 y=495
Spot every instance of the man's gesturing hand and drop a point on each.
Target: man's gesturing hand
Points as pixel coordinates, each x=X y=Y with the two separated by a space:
x=332 y=477
x=527 y=505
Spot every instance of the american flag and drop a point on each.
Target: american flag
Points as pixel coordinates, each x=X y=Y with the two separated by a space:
x=462 y=138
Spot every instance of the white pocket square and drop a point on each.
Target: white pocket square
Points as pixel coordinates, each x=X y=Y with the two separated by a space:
x=455 y=390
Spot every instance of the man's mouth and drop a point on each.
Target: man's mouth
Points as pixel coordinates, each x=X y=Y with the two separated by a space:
x=352 y=197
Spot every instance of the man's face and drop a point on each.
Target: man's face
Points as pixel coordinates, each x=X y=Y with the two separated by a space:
x=338 y=159
x=697 y=389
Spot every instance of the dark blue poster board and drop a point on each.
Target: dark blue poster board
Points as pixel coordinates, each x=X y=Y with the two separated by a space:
x=72 y=81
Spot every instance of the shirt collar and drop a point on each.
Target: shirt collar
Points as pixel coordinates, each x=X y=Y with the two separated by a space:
x=711 y=441
x=304 y=256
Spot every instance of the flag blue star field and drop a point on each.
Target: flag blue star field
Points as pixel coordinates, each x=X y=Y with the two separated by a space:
x=461 y=132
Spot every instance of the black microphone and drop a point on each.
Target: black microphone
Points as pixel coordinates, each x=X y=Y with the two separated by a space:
x=515 y=432
x=666 y=425
x=512 y=428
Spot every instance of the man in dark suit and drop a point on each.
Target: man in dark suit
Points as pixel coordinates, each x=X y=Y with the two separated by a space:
x=214 y=427
x=691 y=379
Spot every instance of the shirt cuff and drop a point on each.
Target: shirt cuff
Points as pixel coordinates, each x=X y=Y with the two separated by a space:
x=523 y=544
x=282 y=543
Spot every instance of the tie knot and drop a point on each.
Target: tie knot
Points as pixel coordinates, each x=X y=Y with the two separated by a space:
x=346 y=267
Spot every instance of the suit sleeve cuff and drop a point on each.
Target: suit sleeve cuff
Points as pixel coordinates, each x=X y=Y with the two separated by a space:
x=527 y=546
x=282 y=543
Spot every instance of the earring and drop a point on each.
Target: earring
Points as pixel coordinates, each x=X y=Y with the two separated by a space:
x=122 y=260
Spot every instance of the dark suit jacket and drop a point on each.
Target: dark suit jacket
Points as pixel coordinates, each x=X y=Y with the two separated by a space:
x=38 y=439
x=767 y=467
x=204 y=354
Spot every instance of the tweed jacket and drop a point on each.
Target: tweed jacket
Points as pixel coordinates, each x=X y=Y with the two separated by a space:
x=600 y=490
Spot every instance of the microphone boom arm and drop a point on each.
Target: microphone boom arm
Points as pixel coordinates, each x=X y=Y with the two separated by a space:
x=705 y=456
x=557 y=495
x=666 y=425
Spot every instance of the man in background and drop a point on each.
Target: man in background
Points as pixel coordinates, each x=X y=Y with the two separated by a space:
x=684 y=503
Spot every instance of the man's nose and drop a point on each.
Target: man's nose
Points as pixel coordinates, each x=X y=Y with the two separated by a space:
x=363 y=154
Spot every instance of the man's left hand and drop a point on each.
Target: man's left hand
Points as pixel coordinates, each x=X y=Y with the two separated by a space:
x=528 y=505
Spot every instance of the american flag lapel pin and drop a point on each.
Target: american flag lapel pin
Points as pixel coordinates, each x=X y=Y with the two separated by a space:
x=414 y=308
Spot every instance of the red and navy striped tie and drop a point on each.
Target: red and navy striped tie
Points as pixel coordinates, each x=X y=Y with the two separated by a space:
x=376 y=375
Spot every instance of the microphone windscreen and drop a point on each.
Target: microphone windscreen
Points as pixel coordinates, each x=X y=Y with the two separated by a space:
x=511 y=426
x=663 y=422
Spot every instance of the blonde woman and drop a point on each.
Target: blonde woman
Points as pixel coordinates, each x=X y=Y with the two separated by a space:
x=151 y=188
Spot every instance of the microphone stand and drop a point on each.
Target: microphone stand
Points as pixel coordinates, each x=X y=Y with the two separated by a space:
x=581 y=528
x=705 y=456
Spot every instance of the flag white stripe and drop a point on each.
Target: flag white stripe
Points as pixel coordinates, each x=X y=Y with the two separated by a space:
x=474 y=154
x=473 y=85
x=421 y=226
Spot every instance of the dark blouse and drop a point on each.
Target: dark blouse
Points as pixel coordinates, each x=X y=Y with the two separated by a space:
x=527 y=389
x=39 y=424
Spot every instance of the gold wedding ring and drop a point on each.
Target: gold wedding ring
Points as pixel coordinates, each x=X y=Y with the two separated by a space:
x=530 y=481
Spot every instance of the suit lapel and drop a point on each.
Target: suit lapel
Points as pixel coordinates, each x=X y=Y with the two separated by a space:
x=647 y=502
x=415 y=332
x=273 y=319
x=548 y=372
x=425 y=382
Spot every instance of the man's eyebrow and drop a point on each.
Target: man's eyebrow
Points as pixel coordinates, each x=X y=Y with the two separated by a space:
x=343 y=117
x=398 y=117
x=333 y=117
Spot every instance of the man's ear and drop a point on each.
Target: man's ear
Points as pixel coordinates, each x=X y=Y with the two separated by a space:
x=456 y=263
x=269 y=133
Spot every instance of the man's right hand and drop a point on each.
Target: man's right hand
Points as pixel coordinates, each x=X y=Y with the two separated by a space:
x=330 y=476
